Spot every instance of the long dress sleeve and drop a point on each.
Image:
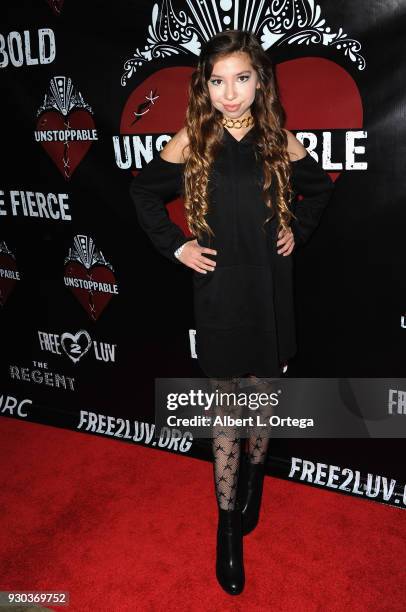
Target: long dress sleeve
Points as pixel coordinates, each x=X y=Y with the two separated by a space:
x=159 y=182
x=314 y=184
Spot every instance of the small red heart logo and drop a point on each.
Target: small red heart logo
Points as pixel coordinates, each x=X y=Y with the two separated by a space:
x=94 y=302
x=7 y=285
x=66 y=155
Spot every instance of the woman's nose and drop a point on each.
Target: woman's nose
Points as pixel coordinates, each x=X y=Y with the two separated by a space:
x=230 y=93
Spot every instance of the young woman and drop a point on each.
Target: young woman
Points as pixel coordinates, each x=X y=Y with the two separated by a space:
x=238 y=171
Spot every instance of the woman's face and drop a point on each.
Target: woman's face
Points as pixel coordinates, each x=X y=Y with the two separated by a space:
x=232 y=85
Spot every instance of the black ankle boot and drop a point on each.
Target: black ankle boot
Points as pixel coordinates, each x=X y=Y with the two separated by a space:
x=250 y=493
x=230 y=561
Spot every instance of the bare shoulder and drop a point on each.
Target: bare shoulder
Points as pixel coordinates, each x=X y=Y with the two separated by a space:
x=176 y=150
x=295 y=148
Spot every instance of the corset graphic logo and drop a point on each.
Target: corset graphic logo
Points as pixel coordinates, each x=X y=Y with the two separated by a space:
x=9 y=274
x=89 y=276
x=65 y=126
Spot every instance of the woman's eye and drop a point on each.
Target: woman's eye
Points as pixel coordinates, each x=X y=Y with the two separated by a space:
x=244 y=76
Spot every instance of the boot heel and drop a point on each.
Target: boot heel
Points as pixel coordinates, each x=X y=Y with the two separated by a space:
x=250 y=494
x=230 y=562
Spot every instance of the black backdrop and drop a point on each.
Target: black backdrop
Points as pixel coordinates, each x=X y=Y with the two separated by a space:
x=340 y=71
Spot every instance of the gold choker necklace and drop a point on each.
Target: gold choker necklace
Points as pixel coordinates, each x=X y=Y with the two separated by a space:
x=238 y=123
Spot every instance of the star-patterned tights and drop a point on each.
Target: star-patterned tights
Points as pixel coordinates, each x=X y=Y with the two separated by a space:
x=226 y=443
x=258 y=442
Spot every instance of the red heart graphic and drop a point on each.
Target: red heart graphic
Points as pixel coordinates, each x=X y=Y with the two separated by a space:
x=6 y=284
x=66 y=155
x=317 y=94
x=164 y=115
x=94 y=302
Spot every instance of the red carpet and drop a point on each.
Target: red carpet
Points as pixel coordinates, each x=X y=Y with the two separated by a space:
x=123 y=527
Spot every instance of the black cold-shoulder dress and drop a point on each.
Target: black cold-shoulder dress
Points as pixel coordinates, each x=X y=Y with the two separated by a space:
x=244 y=311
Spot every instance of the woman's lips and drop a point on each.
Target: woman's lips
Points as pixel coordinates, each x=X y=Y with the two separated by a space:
x=231 y=108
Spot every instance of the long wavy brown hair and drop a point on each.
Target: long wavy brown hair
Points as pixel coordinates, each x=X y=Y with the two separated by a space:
x=205 y=132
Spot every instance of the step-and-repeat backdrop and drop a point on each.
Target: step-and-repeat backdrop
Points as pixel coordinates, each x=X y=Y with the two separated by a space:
x=91 y=314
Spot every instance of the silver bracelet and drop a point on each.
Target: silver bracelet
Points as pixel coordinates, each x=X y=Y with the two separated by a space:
x=179 y=250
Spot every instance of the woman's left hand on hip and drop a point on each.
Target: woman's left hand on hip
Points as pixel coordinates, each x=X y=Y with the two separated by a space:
x=286 y=242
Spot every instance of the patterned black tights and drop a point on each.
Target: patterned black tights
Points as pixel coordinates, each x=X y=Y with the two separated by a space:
x=258 y=442
x=226 y=444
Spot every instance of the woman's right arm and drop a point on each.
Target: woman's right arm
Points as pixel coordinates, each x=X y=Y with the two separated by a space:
x=160 y=181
